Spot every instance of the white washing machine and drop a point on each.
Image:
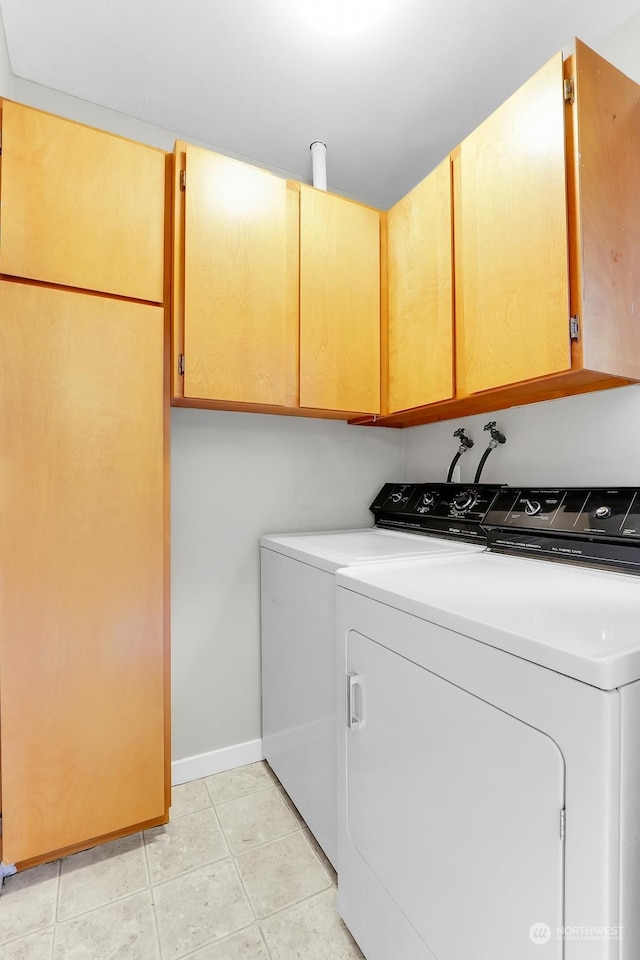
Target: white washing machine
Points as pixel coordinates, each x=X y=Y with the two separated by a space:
x=299 y=696
x=489 y=759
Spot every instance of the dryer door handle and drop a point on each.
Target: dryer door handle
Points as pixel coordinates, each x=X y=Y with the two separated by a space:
x=356 y=713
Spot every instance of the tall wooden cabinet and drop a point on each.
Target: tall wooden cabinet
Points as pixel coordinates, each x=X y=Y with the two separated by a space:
x=83 y=517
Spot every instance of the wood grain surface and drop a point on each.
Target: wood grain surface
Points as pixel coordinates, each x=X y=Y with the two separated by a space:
x=512 y=289
x=607 y=107
x=81 y=593
x=420 y=245
x=240 y=321
x=339 y=303
x=81 y=207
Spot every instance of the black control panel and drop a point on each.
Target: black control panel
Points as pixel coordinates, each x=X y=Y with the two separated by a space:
x=596 y=525
x=453 y=510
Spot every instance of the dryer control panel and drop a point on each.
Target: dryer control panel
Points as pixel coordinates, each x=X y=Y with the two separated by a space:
x=441 y=509
x=578 y=524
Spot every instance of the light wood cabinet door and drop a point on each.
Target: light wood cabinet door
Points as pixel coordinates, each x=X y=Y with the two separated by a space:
x=420 y=291
x=604 y=206
x=512 y=283
x=339 y=303
x=81 y=593
x=80 y=207
x=240 y=301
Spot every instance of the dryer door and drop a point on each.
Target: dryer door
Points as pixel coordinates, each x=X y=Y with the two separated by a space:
x=455 y=807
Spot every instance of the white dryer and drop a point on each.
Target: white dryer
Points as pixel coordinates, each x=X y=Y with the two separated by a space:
x=489 y=761
x=299 y=696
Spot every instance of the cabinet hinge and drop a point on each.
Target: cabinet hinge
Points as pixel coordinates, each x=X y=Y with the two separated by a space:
x=181 y=364
x=563 y=823
x=574 y=327
x=569 y=90
x=183 y=179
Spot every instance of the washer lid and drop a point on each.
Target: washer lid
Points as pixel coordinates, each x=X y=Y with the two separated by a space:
x=576 y=621
x=330 y=550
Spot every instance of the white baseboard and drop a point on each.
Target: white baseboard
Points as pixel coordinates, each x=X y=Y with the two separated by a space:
x=206 y=764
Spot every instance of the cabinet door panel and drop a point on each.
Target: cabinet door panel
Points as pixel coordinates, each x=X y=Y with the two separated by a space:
x=339 y=303
x=512 y=288
x=420 y=239
x=81 y=541
x=81 y=207
x=240 y=322
x=608 y=146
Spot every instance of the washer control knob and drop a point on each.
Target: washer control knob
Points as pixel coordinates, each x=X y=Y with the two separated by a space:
x=531 y=507
x=428 y=499
x=464 y=500
x=603 y=512
x=396 y=497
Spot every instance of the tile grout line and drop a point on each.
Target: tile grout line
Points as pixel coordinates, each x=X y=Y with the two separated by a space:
x=85 y=913
x=189 y=813
x=101 y=906
x=150 y=889
x=294 y=903
x=241 y=796
x=50 y=928
x=222 y=830
x=233 y=853
x=264 y=940
x=55 y=914
x=244 y=796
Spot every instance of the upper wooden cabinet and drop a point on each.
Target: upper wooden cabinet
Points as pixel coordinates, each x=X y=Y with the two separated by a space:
x=236 y=282
x=546 y=241
x=80 y=207
x=276 y=295
x=420 y=291
x=512 y=291
x=339 y=303
x=604 y=199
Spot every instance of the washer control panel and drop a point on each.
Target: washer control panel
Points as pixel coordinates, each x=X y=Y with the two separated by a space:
x=597 y=524
x=442 y=509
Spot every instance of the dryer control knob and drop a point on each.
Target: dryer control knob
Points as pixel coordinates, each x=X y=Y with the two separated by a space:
x=603 y=512
x=428 y=499
x=531 y=507
x=464 y=500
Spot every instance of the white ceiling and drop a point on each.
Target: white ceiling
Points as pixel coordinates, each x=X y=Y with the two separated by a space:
x=263 y=78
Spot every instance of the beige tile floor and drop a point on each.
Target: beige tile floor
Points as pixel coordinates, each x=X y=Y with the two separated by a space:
x=235 y=875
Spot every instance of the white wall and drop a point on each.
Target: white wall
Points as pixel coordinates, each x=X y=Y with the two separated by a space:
x=592 y=439
x=622 y=48
x=5 y=68
x=235 y=477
